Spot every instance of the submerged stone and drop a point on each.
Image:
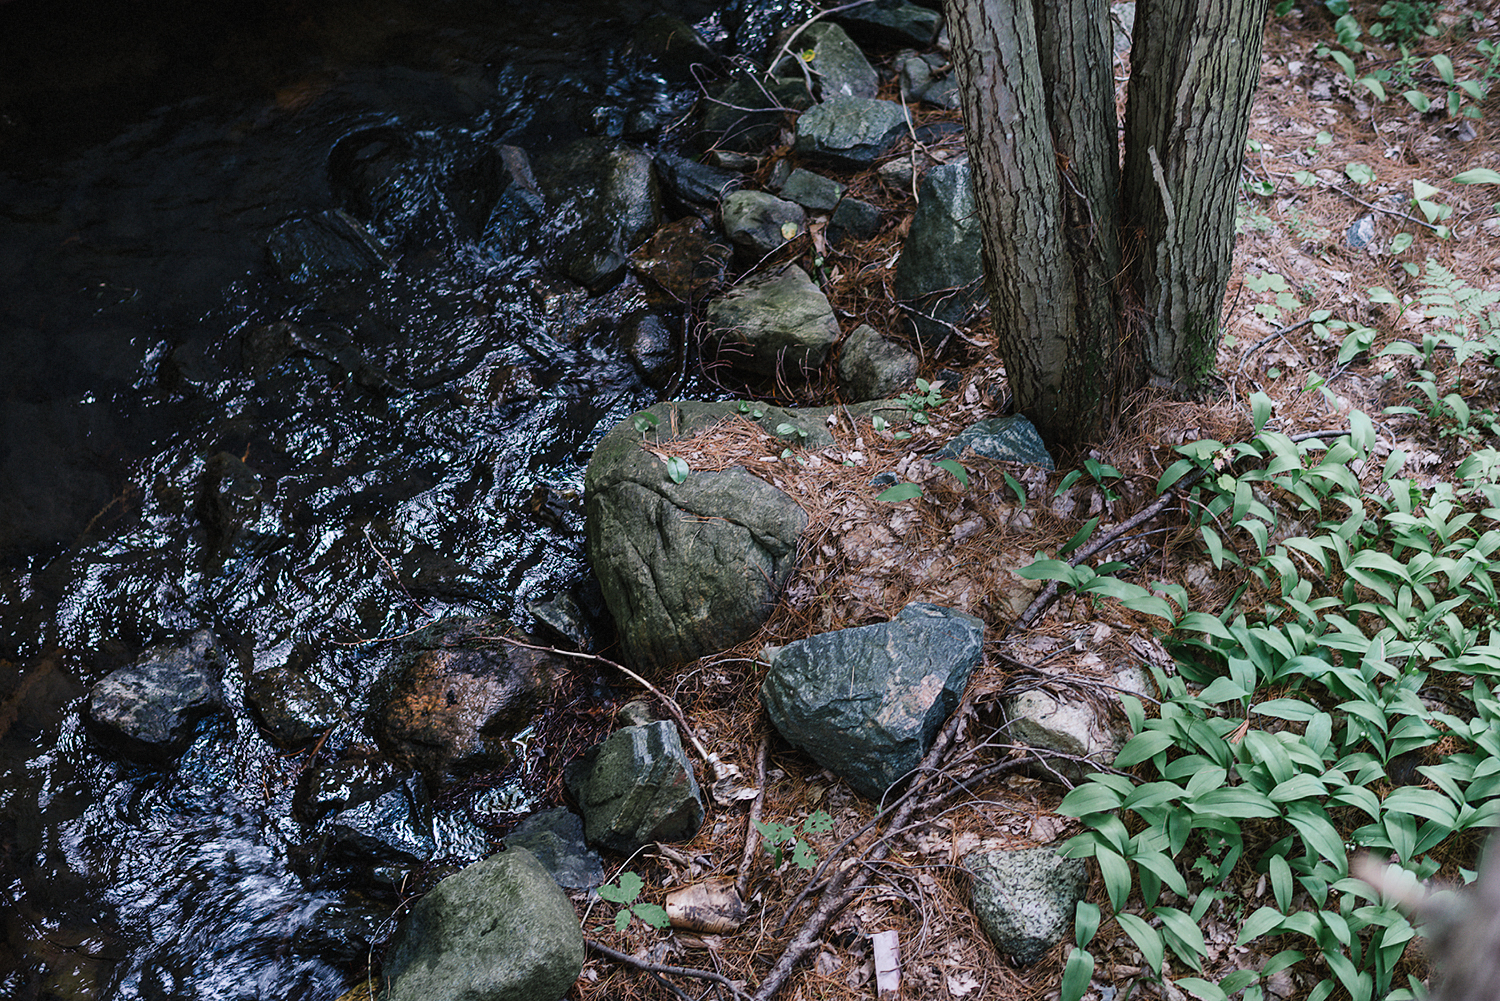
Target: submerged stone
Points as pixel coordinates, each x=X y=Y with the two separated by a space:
x=148 y=710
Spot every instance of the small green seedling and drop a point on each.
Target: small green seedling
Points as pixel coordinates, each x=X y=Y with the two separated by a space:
x=645 y=421
x=783 y=842
x=625 y=893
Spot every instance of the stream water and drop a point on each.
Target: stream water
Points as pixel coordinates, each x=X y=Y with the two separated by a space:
x=429 y=422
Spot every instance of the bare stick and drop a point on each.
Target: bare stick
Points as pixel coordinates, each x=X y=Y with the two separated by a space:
x=675 y=971
x=667 y=700
x=1049 y=593
x=752 y=833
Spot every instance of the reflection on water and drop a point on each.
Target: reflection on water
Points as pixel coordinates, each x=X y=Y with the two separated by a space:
x=299 y=462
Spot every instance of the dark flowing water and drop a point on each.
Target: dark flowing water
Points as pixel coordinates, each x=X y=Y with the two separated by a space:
x=430 y=422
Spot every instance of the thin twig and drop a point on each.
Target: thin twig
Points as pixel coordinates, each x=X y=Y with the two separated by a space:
x=752 y=833
x=663 y=968
x=667 y=700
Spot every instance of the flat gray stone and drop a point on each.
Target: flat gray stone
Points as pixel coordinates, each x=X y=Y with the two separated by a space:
x=812 y=191
x=838 y=64
x=636 y=787
x=1025 y=900
x=780 y=325
x=873 y=368
x=1010 y=439
x=851 y=132
x=867 y=702
x=758 y=223
x=854 y=220
x=556 y=838
x=891 y=22
x=500 y=930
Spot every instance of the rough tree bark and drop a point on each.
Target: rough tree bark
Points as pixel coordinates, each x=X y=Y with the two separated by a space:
x=1096 y=284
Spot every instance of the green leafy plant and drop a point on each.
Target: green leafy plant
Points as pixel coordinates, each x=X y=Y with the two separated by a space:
x=625 y=892
x=1259 y=767
x=787 y=841
x=926 y=398
x=645 y=422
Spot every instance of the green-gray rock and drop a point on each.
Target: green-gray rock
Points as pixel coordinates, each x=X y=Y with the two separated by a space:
x=724 y=121
x=867 y=702
x=853 y=220
x=849 y=132
x=758 y=223
x=928 y=77
x=780 y=325
x=606 y=200
x=1011 y=439
x=812 y=191
x=636 y=787
x=873 y=368
x=500 y=930
x=891 y=22
x=840 y=67
x=691 y=568
x=1025 y=899
x=940 y=275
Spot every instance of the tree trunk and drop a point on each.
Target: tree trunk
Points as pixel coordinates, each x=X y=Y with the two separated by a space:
x=1193 y=70
x=1043 y=180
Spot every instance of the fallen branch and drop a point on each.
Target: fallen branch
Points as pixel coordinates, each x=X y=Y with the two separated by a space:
x=665 y=969
x=752 y=833
x=667 y=700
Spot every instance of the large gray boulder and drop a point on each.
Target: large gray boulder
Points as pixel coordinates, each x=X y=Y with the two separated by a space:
x=850 y=132
x=838 y=64
x=758 y=223
x=779 y=326
x=867 y=702
x=940 y=275
x=605 y=200
x=873 y=368
x=636 y=787
x=500 y=930
x=1025 y=899
x=688 y=568
x=148 y=710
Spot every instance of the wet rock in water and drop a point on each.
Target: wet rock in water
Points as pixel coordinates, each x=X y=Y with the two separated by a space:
x=940 y=275
x=744 y=116
x=873 y=368
x=683 y=258
x=635 y=787
x=324 y=247
x=605 y=201
x=556 y=838
x=840 y=67
x=342 y=931
x=454 y=706
x=358 y=778
x=1010 y=439
x=851 y=132
x=891 y=22
x=148 y=710
x=867 y=702
x=780 y=325
x=754 y=24
x=672 y=46
x=693 y=183
x=686 y=568
x=294 y=703
x=564 y=615
x=758 y=223
x=229 y=496
x=853 y=220
x=811 y=191
x=1025 y=899
x=380 y=837
x=928 y=77
x=651 y=346
x=499 y=930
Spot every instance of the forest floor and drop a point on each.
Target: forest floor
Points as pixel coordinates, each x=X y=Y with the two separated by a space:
x=1329 y=166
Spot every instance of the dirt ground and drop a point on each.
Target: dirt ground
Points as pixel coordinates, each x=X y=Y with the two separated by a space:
x=1300 y=203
